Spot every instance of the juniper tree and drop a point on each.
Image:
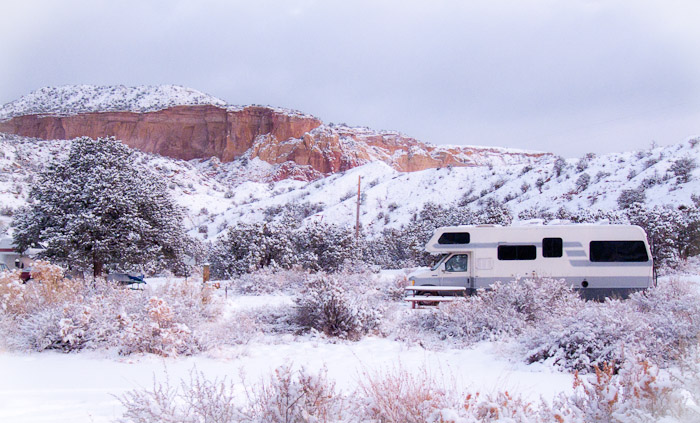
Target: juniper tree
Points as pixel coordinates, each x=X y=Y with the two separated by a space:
x=96 y=208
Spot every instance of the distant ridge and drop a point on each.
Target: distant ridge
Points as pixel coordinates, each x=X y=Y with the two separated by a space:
x=75 y=99
x=187 y=124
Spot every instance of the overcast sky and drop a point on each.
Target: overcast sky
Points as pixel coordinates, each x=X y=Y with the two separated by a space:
x=569 y=76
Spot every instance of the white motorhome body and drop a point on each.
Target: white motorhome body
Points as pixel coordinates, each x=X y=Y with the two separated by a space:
x=598 y=260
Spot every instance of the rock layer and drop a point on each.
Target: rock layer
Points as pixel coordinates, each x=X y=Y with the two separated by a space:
x=183 y=132
x=301 y=145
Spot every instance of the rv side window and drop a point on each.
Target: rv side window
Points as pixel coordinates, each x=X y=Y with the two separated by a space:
x=552 y=247
x=454 y=238
x=517 y=252
x=457 y=263
x=618 y=251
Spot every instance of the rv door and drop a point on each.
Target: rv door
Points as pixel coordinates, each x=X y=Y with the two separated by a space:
x=456 y=271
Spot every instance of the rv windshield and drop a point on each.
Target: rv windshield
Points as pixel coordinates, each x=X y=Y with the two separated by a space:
x=437 y=261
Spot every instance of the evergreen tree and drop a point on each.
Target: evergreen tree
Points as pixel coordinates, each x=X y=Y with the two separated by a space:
x=325 y=247
x=251 y=246
x=97 y=209
x=663 y=226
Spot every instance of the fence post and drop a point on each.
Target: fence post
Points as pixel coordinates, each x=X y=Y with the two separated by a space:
x=205 y=273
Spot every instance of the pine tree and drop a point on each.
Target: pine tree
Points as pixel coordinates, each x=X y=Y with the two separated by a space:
x=326 y=247
x=251 y=246
x=97 y=209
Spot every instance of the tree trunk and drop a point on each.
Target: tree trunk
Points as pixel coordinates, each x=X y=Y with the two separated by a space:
x=97 y=268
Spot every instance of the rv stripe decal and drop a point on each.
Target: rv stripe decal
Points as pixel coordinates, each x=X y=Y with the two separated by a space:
x=586 y=263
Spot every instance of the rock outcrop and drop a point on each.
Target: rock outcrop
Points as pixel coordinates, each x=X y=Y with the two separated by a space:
x=183 y=132
x=300 y=146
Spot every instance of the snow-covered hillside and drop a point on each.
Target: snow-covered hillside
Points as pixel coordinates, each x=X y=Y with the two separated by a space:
x=217 y=195
x=74 y=99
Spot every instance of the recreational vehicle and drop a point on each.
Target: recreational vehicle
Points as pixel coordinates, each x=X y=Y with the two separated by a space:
x=597 y=260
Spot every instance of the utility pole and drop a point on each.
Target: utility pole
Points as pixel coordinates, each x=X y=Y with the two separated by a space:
x=357 y=222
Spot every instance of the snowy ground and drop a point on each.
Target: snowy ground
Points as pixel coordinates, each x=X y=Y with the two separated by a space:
x=82 y=387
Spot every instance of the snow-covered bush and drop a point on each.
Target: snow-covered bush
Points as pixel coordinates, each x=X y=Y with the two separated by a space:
x=236 y=328
x=249 y=247
x=71 y=316
x=672 y=312
x=196 y=400
x=48 y=287
x=669 y=231
x=503 y=309
x=156 y=332
x=582 y=182
x=290 y=397
x=636 y=392
x=336 y=306
x=281 y=244
x=629 y=197
x=325 y=247
x=559 y=166
x=400 y=396
x=269 y=281
x=51 y=312
x=584 y=162
x=598 y=333
x=661 y=323
x=683 y=169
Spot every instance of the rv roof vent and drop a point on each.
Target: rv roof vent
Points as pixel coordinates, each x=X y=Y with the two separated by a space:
x=530 y=222
x=560 y=222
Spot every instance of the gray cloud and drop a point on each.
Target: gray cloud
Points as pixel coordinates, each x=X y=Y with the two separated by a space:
x=563 y=76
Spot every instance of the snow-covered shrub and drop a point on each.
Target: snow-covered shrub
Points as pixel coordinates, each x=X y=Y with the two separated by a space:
x=249 y=247
x=503 y=309
x=269 y=281
x=196 y=400
x=85 y=320
x=156 y=332
x=672 y=312
x=290 y=397
x=637 y=391
x=335 y=305
x=664 y=227
x=395 y=288
x=597 y=333
x=401 y=396
x=504 y=407
x=661 y=323
x=48 y=287
x=237 y=328
x=324 y=247
x=629 y=197
x=559 y=166
x=51 y=312
x=683 y=168
x=192 y=301
x=494 y=212
x=11 y=293
x=168 y=322
x=584 y=161
x=582 y=182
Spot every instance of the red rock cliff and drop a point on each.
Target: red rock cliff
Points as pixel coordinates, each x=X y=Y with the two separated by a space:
x=300 y=144
x=183 y=132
